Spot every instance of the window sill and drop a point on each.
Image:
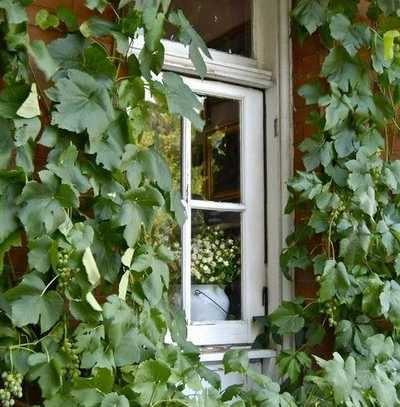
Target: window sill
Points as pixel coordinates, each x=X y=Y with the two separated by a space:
x=216 y=354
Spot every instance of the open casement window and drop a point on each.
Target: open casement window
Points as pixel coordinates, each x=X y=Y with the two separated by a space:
x=220 y=171
x=222 y=188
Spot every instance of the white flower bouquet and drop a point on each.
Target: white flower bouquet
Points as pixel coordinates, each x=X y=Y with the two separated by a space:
x=215 y=257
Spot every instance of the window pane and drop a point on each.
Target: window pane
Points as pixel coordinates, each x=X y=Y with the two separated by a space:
x=216 y=266
x=216 y=152
x=164 y=132
x=225 y=25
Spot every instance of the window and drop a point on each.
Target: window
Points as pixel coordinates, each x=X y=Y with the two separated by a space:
x=220 y=172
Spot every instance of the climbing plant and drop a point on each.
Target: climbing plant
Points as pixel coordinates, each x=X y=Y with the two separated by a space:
x=347 y=201
x=84 y=321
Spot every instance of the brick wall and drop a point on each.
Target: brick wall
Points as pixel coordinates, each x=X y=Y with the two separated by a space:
x=307 y=60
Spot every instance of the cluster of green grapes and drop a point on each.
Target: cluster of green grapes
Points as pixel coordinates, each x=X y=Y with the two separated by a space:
x=12 y=388
x=73 y=358
x=64 y=271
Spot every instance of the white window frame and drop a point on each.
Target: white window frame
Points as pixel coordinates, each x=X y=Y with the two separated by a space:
x=251 y=208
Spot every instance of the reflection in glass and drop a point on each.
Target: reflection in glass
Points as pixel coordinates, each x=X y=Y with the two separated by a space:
x=216 y=152
x=164 y=131
x=216 y=268
x=225 y=25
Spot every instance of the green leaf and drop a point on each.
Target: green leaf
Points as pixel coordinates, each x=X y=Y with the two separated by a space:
x=43 y=204
x=47 y=371
x=99 y=5
x=389 y=6
x=39 y=254
x=109 y=146
x=39 y=52
x=97 y=63
x=131 y=92
x=6 y=143
x=388 y=44
x=390 y=302
x=343 y=71
x=151 y=380
x=96 y=27
x=66 y=166
x=82 y=104
x=311 y=92
x=67 y=17
x=81 y=236
x=34 y=305
x=311 y=14
x=30 y=108
x=91 y=267
x=288 y=318
x=45 y=20
x=340 y=374
x=351 y=36
x=114 y=400
x=334 y=280
x=189 y=36
x=67 y=51
x=11 y=99
x=16 y=13
x=236 y=361
x=25 y=130
x=153 y=288
x=181 y=99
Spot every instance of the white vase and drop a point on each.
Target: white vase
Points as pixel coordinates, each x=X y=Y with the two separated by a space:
x=209 y=303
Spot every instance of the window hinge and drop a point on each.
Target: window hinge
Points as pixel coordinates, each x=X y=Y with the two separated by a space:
x=276 y=127
x=265 y=304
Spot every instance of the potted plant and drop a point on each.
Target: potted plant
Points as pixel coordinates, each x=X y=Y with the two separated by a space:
x=215 y=264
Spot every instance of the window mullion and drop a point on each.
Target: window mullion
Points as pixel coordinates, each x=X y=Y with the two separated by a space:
x=187 y=226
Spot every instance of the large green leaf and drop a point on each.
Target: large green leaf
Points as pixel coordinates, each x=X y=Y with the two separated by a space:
x=32 y=304
x=189 y=36
x=181 y=99
x=151 y=380
x=82 y=104
x=44 y=204
x=351 y=36
x=311 y=14
x=288 y=318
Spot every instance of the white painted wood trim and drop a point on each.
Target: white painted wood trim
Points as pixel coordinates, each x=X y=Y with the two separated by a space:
x=286 y=125
x=217 y=206
x=253 y=354
x=222 y=66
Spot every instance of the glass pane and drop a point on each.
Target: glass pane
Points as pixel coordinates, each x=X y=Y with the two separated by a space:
x=225 y=25
x=216 y=266
x=216 y=152
x=164 y=132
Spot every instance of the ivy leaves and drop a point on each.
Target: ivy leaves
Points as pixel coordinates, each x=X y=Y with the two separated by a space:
x=44 y=204
x=82 y=104
x=31 y=303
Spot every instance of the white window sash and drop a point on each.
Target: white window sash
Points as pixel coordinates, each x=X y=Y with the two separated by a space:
x=252 y=216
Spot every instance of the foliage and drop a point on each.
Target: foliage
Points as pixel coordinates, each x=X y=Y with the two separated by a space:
x=84 y=321
x=347 y=198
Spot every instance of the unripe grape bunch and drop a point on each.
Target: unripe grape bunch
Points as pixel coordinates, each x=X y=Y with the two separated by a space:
x=73 y=358
x=12 y=388
x=64 y=271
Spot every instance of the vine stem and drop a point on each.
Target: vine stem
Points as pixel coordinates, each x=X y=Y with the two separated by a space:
x=48 y=285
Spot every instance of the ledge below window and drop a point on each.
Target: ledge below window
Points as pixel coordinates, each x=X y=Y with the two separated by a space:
x=216 y=354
